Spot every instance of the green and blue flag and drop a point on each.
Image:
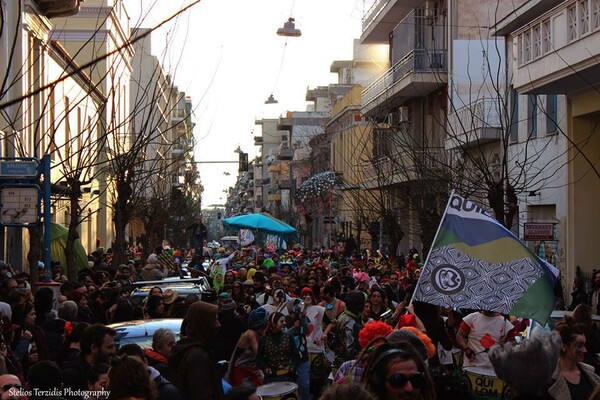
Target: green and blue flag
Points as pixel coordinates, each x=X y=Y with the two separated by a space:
x=476 y=263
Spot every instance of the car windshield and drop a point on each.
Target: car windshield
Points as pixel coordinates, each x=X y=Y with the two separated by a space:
x=140 y=332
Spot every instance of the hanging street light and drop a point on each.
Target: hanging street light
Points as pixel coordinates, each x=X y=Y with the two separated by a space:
x=271 y=100
x=289 y=29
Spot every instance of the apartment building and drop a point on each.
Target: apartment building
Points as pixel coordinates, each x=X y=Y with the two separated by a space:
x=441 y=113
x=56 y=111
x=100 y=32
x=553 y=47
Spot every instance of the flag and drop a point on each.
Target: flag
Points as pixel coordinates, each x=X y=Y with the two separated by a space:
x=476 y=263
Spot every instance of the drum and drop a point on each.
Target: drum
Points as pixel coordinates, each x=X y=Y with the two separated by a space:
x=278 y=391
x=485 y=385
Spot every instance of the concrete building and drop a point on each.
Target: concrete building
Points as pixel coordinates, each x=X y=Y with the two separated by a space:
x=162 y=127
x=99 y=32
x=440 y=112
x=552 y=48
x=267 y=194
x=59 y=116
x=350 y=135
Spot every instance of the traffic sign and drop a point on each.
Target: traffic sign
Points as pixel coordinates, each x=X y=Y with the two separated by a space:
x=18 y=169
x=19 y=205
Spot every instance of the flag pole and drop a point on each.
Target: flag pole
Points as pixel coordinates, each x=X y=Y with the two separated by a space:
x=432 y=243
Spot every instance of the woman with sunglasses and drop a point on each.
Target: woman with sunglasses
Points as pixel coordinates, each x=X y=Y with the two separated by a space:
x=398 y=372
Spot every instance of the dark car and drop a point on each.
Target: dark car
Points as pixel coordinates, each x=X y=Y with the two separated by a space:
x=197 y=286
x=140 y=332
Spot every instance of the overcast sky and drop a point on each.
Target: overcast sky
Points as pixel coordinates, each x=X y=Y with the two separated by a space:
x=226 y=55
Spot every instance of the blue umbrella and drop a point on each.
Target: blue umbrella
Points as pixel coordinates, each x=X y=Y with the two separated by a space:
x=260 y=221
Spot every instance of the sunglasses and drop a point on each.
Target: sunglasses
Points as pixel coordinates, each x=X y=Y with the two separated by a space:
x=7 y=387
x=398 y=381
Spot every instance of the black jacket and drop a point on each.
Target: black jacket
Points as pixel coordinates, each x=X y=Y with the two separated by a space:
x=195 y=371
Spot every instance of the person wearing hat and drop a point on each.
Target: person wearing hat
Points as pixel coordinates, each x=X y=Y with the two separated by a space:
x=169 y=297
x=243 y=367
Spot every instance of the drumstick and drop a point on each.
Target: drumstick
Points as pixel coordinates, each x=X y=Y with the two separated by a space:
x=482 y=351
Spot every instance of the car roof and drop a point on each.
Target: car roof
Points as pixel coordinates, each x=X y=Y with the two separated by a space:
x=141 y=331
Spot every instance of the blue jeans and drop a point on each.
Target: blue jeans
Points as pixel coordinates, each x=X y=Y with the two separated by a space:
x=303 y=372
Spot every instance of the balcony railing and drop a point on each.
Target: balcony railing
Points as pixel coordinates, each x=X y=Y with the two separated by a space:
x=405 y=166
x=373 y=13
x=417 y=61
x=482 y=114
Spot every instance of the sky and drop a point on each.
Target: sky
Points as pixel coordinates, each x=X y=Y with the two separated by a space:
x=226 y=55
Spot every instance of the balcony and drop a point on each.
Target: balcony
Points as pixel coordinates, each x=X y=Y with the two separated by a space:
x=286 y=154
x=177 y=149
x=58 y=8
x=383 y=14
x=274 y=196
x=274 y=168
x=475 y=124
x=285 y=184
x=426 y=164
x=258 y=140
x=178 y=115
x=420 y=72
x=557 y=52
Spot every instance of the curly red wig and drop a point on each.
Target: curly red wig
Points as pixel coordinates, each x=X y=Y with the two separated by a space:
x=424 y=338
x=372 y=330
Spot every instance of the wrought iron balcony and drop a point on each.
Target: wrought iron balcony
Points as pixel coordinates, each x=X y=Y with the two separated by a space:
x=420 y=72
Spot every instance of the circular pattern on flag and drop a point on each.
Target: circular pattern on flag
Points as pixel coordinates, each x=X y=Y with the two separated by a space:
x=447 y=279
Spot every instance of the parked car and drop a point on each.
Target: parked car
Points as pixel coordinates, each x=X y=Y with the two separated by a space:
x=140 y=332
x=230 y=241
x=198 y=286
x=556 y=317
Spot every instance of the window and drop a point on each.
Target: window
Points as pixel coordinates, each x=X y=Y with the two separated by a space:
x=572 y=21
x=537 y=42
x=547 y=36
x=79 y=128
x=514 y=116
x=67 y=128
x=551 y=114
x=584 y=17
x=595 y=14
x=532 y=116
x=52 y=110
x=527 y=46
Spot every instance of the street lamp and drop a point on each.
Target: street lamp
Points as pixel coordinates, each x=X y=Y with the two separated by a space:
x=289 y=29
x=271 y=100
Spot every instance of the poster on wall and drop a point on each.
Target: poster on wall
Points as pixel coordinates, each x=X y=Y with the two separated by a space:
x=546 y=250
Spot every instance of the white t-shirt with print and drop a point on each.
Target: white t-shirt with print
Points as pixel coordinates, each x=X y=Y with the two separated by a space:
x=484 y=332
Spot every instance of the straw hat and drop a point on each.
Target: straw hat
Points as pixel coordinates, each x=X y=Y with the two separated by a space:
x=169 y=296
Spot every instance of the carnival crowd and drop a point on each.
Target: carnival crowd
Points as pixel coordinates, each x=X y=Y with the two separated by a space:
x=334 y=322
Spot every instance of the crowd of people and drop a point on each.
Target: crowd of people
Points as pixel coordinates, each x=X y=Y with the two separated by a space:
x=334 y=323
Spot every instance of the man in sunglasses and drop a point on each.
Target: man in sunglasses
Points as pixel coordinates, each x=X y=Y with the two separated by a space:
x=10 y=388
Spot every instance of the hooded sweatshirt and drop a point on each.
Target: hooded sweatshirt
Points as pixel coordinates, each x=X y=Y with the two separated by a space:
x=196 y=374
x=151 y=272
